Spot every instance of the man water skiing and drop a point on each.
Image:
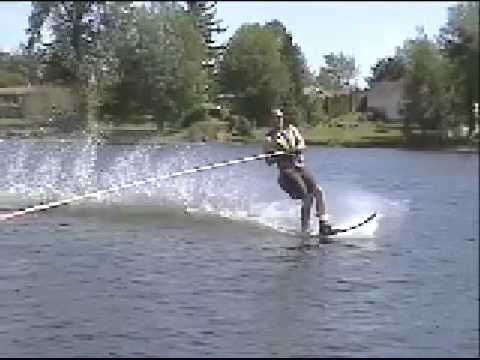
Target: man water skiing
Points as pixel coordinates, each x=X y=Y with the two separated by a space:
x=293 y=178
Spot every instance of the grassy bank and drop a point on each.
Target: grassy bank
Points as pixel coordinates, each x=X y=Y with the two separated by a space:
x=344 y=131
x=349 y=130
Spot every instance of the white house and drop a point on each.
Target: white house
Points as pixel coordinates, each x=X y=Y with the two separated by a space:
x=388 y=97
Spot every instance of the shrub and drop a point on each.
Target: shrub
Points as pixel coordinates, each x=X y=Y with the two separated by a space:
x=381 y=129
x=196 y=115
x=244 y=127
x=363 y=117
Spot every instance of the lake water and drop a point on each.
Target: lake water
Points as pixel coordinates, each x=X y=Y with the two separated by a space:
x=209 y=265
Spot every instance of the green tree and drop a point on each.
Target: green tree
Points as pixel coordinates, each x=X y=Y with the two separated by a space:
x=459 y=40
x=314 y=110
x=75 y=26
x=13 y=70
x=123 y=85
x=338 y=72
x=309 y=76
x=72 y=58
x=388 y=68
x=204 y=16
x=294 y=101
x=253 y=71
x=157 y=67
x=325 y=80
x=428 y=86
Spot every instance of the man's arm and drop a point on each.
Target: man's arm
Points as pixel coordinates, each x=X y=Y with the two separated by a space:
x=269 y=147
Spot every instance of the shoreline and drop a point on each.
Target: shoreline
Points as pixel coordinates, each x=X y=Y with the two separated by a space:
x=169 y=140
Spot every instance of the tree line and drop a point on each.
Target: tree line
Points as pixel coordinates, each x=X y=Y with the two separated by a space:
x=124 y=60
x=441 y=73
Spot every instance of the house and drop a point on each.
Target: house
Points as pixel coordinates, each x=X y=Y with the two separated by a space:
x=388 y=98
x=35 y=102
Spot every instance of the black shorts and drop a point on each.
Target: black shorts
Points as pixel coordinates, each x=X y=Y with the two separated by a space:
x=296 y=182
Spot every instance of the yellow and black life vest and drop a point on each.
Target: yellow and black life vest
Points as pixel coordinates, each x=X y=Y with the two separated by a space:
x=290 y=140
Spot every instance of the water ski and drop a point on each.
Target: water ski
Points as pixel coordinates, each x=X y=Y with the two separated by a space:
x=335 y=231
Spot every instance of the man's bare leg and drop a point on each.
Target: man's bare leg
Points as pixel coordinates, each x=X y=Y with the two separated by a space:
x=324 y=227
x=319 y=202
x=307 y=203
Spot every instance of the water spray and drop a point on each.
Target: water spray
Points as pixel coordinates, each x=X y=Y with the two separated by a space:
x=96 y=194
